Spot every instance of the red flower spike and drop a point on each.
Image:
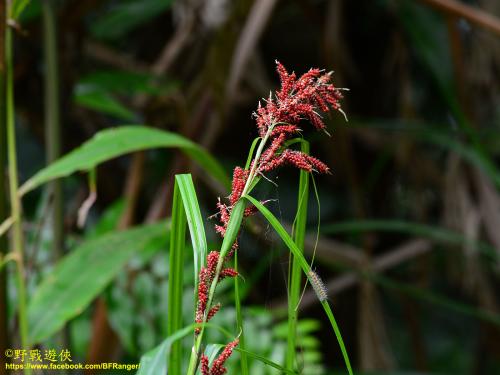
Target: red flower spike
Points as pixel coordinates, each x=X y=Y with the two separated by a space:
x=221 y=230
x=250 y=210
x=273 y=148
x=212 y=259
x=233 y=249
x=204 y=365
x=318 y=165
x=218 y=364
x=297 y=159
x=299 y=99
x=213 y=311
x=240 y=176
x=288 y=130
x=228 y=272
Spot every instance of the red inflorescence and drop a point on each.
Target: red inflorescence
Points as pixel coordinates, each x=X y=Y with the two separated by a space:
x=218 y=364
x=298 y=100
x=205 y=370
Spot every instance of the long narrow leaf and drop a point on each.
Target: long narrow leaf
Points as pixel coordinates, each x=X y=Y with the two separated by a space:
x=195 y=221
x=239 y=319
x=295 y=276
x=110 y=143
x=176 y=278
x=305 y=268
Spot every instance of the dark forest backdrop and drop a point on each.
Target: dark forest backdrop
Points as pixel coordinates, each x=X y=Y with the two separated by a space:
x=409 y=225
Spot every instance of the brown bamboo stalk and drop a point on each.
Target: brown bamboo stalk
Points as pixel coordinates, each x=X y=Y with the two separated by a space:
x=471 y=14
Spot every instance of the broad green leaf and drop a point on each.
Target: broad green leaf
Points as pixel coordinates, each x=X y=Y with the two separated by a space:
x=126 y=15
x=17 y=7
x=99 y=100
x=81 y=275
x=305 y=268
x=110 y=143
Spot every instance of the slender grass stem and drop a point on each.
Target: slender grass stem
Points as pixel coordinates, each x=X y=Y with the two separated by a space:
x=239 y=320
x=234 y=224
x=15 y=200
x=295 y=276
x=4 y=327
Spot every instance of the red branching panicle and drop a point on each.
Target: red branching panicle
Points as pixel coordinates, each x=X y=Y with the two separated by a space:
x=298 y=100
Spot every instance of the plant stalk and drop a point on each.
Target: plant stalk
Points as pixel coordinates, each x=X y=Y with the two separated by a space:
x=236 y=215
x=4 y=333
x=15 y=200
x=295 y=276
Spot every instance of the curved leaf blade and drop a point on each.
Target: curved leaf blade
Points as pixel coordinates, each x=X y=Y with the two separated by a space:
x=114 y=142
x=305 y=267
x=195 y=221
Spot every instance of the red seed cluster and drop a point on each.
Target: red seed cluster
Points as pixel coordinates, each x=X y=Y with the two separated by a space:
x=298 y=100
x=240 y=176
x=218 y=364
x=205 y=370
x=206 y=277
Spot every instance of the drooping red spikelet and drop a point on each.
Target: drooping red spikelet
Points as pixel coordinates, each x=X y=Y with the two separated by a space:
x=297 y=159
x=218 y=364
x=213 y=311
x=228 y=272
x=317 y=164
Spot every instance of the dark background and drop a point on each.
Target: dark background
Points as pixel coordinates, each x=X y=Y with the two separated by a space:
x=412 y=206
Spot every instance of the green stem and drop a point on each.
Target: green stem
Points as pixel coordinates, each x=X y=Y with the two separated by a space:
x=4 y=328
x=176 y=266
x=295 y=276
x=231 y=234
x=239 y=320
x=15 y=201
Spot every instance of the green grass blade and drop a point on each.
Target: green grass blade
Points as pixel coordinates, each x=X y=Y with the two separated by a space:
x=305 y=268
x=70 y=288
x=434 y=233
x=195 y=221
x=250 y=153
x=153 y=362
x=213 y=349
x=295 y=276
x=111 y=143
x=175 y=279
x=233 y=227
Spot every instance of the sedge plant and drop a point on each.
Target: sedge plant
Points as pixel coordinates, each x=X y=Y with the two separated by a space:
x=299 y=101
